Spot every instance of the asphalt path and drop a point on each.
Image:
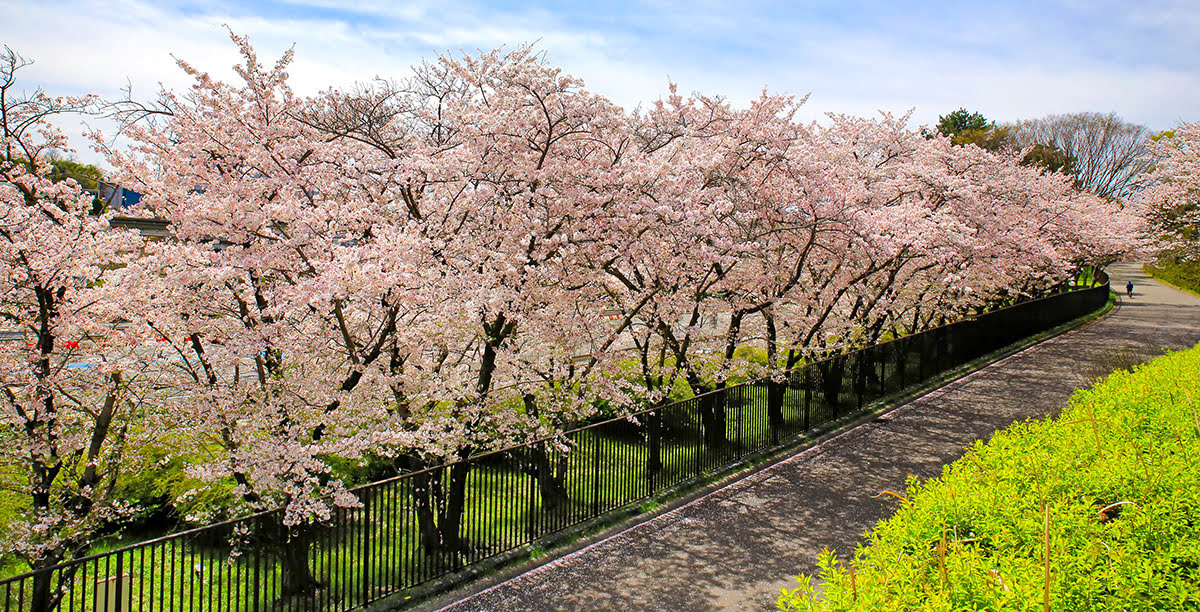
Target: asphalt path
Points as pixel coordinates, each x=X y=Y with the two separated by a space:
x=735 y=548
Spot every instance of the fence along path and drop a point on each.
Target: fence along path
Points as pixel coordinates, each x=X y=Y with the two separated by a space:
x=735 y=548
x=429 y=524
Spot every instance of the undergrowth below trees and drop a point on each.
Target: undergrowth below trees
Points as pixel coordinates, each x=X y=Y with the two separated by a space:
x=1182 y=274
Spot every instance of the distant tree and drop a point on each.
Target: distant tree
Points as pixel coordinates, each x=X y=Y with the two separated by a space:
x=87 y=175
x=1165 y=134
x=991 y=138
x=963 y=127
x=961 y=121
x=973 y=128
x=1110 y=154
x=1050 y=158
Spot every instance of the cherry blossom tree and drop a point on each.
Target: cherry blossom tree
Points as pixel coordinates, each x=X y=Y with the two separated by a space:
x=1171 y=205
x=281 y=289
x=77 y=386
x=503 y=165
x=388 y=269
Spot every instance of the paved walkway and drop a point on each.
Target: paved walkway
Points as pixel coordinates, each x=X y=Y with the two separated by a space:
x=735 y=548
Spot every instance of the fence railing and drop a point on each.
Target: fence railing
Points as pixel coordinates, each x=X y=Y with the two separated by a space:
x=429 y=524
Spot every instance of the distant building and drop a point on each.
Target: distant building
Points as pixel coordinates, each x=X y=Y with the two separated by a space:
x=116 y=197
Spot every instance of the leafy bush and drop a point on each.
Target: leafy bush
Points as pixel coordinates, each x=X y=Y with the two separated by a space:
x=1109 y=491
x=1183 y=274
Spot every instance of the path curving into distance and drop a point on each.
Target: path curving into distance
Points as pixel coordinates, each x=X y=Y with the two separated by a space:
x=733 y=549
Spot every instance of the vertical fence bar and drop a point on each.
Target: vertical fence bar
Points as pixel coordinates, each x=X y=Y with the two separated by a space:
x=807 y=395
x=595 y=474
x=741 y=400
x=861 y=368
x=366 y=546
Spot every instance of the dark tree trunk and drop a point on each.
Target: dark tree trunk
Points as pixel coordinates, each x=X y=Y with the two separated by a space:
x=452 y=521
x=440 y=510
x=712 y=419
x=654 y=462
x=550 y=476
x=428 y=498
x=297 y=577
x=833 y=371
x=40 y=598
x=775 y=391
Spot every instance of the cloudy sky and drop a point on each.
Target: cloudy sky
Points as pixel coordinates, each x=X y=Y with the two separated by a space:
x=1008 y=60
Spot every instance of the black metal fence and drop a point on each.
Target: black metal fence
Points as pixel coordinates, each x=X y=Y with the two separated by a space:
x=426 y=525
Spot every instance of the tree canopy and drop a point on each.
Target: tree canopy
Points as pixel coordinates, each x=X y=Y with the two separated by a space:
x=962 y=121
x=1108 y=155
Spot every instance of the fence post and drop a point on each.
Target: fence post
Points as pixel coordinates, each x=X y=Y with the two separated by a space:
x=741 y=400
x=532 y=514
x=860 y=375
x=653 y=457
x=596 y=477
x=922 y=355
x=700 y=445
x=257 y=551
x=938 y=354
x=120 y=594
x=807 y=393
x=883 y=356
x=366 y=547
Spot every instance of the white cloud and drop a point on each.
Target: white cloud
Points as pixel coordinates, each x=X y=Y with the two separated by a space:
x=1000 y=63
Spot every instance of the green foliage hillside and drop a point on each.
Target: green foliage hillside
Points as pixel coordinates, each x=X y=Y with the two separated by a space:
x=1109 y=492
x=1182 y=274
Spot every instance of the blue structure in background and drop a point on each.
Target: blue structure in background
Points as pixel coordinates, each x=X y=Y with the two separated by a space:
x=116 y=197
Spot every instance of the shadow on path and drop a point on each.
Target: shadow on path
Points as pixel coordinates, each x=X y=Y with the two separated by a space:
x=735 y=548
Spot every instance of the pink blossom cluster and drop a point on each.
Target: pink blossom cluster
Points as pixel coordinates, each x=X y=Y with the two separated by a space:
x=1171 y=205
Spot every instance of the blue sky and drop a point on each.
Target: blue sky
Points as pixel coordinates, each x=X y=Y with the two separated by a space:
x=1008 y=60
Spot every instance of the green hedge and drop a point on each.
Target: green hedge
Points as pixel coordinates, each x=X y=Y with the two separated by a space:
x=1110 y=489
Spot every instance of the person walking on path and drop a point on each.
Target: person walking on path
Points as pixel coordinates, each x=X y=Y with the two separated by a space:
x=1129 y=288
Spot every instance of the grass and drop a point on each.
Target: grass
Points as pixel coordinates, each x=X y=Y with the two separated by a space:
x=1098 y=509
x=1086 y=277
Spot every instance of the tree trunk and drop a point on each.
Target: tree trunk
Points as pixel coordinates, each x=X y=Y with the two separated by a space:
x=40 y=596
x=832 y=372
x=440 y=511
x=654 y=462
x=775 y=391
x=455 y=504
x=297 y=577
x=428 y=498
x=551 y=481
x=712 y=418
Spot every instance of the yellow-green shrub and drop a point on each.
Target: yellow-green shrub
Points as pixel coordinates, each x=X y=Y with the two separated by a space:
x=1110 y=490
x=1183 y=274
